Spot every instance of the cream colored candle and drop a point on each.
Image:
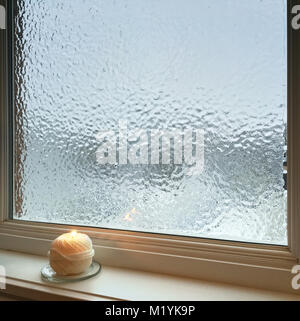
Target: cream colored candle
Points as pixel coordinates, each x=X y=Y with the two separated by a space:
x=71 y=253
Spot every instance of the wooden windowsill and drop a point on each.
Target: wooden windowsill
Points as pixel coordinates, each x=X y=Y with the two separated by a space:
x=23 y=280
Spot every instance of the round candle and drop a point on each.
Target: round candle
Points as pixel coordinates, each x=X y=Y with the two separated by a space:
x=71 y=253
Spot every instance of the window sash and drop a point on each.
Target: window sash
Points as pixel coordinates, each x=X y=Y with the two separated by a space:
x=260 y=265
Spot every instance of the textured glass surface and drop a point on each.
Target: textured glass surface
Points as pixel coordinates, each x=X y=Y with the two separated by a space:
x=81 y=66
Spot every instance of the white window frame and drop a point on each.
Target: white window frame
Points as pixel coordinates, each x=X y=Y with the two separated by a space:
x=255 y=265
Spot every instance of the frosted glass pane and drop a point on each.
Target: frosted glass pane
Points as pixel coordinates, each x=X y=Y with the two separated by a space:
x=81 y=67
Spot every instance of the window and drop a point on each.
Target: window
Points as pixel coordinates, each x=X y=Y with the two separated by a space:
x=87 y=66
x=157 y=126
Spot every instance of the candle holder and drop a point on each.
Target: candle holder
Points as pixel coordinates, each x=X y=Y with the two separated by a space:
x=49 y=275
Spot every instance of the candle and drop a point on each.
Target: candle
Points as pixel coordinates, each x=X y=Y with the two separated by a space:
x=71 y=253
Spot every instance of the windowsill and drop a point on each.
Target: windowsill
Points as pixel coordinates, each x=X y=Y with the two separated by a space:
x=23 y=280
